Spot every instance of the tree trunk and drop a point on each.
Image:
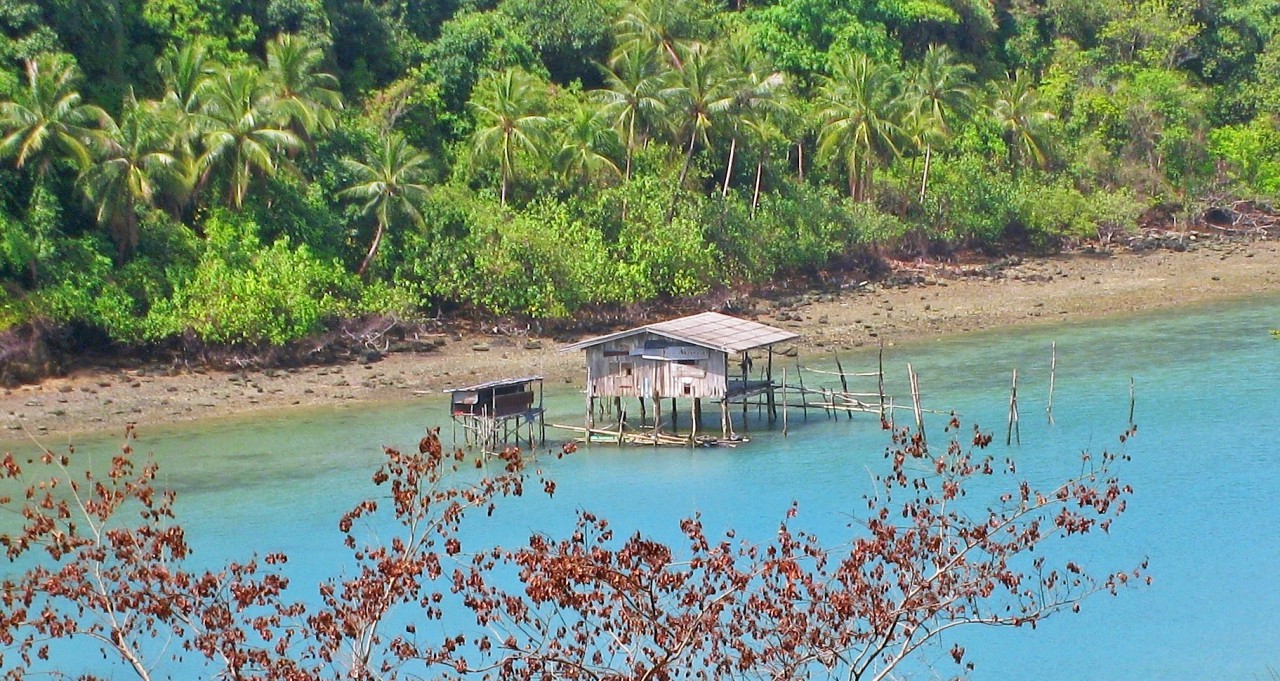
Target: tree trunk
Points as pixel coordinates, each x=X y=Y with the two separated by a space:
x=728 y=170
x=800 y=159
x=684 y=172
x=373 y=249
x=755 y=196
x=924 y=180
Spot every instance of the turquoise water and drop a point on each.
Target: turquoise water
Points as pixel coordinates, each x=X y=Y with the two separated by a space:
x=1206 y=473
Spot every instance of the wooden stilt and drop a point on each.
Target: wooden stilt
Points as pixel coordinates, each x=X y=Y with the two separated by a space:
x=644 y=418
x=697 y=412
x=1013 y=413
x=657 y=419
x=784 y=401
x=804 y=396
x=1053 y=370
x=773 y=407
x=880 y=376
x=693 y=418
x=675 y=424
x=915 y=401
x=1132 y=400
x=844 y=382
x=591 y=411
x=724 y=418
x=542 y=417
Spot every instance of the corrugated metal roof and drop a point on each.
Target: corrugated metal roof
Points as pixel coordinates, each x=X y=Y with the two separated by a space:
x=500 y=383
x=708 y=329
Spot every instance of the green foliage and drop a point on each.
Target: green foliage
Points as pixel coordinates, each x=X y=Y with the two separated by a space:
x=242 y=292
x=470 y=45
x=1251 y=154
x=1058 y=212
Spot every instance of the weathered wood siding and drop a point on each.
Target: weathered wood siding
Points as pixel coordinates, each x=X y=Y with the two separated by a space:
x=614 y=371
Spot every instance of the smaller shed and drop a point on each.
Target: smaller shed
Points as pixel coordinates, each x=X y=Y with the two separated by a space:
x=491 y=413
x=686 y=358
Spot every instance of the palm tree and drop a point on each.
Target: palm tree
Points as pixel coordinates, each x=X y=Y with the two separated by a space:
x=587 y=140
x=1016 y=108
x=859 y=113
x=698 y=97
x=630 y=97
x=304 y=98
x=936 y=91
x=764 y=128
x=388 y=181
x=135 y=164
x=48 y=120
x=754 y=89
x=239 y=133
x=666 y=26
x=506 y=109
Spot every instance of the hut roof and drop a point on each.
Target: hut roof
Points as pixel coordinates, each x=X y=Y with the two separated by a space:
x=499 y=383
x=708 y=329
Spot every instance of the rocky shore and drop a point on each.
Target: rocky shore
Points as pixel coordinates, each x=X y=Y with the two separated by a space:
x=919 y=301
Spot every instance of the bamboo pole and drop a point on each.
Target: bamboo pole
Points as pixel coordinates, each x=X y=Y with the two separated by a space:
x=1132 y=401
x=773 y=406
x=1014 y=425
x=844 y=382
x=1053 y=370
x=694 y=414
x=880 y=379
x=724 y=417
x=657 y=419
x=804 y=397
x=915 y=401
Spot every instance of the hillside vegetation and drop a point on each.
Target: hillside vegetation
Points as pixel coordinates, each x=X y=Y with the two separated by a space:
x=253 y=173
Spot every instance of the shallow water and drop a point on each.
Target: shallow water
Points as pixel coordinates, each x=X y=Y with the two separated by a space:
x=1206 y=470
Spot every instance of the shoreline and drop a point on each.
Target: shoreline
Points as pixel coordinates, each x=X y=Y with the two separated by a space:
x=942 y=300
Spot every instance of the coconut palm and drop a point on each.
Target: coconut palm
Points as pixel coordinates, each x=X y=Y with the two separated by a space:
x=48 y=121
x=134 y=165
x=587 y=141
x=669 y=27
x=754 y=88
x=239 y=134
x=858 y=109
x=388 y=180
x=1016 y=108
x=633 y=83
x=697 y=98
x=508 y=122
x=765 y=131
x=305 y=98
x=937 y=90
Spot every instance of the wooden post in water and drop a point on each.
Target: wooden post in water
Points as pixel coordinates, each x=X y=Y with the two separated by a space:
x=1013 y=413
x=675 y=423
x=784 y=401
x=1053 y=370
x=915 y=401
x=724 y=417
x=880 y=372
x=693 y=417
x=844 y=383
x=644 y=417
x=697 y=412
x=1131 y=401
x=657 y=419
x=804 y=397
x=773 y=407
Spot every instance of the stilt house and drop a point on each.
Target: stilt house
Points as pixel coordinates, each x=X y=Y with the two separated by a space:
x=491 y=413
x=703 y=356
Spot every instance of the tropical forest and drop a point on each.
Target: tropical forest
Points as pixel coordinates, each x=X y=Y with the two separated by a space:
x=251 y=174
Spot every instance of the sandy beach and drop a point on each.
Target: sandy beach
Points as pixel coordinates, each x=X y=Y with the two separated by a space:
x=922 y=301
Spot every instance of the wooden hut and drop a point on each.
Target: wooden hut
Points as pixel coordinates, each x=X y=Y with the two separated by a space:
x=491 y=413
x=705 y=356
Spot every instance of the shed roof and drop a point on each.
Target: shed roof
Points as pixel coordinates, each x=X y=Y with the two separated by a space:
x=499 y=383
x=708 y=329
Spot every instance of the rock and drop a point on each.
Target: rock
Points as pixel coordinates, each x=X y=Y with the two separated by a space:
x=64 y=388
x=533 y=344
x=370 y=355
x=480 y=347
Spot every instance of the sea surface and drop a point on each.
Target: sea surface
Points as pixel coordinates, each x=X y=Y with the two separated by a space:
x=1205 y=469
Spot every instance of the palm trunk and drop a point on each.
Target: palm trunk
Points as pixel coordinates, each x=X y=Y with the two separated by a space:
x=684 y=172
x=728 y=170
x=755 y=196
x=631 y=145
x=373 y=250
x=800 y=159
x=924 y=180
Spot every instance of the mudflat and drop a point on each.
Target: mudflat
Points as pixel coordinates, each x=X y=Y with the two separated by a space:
x=928 y=300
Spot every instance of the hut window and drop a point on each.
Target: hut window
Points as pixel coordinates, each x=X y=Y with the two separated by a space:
x=626 y=369
x=688 y=362
x=688 y=389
